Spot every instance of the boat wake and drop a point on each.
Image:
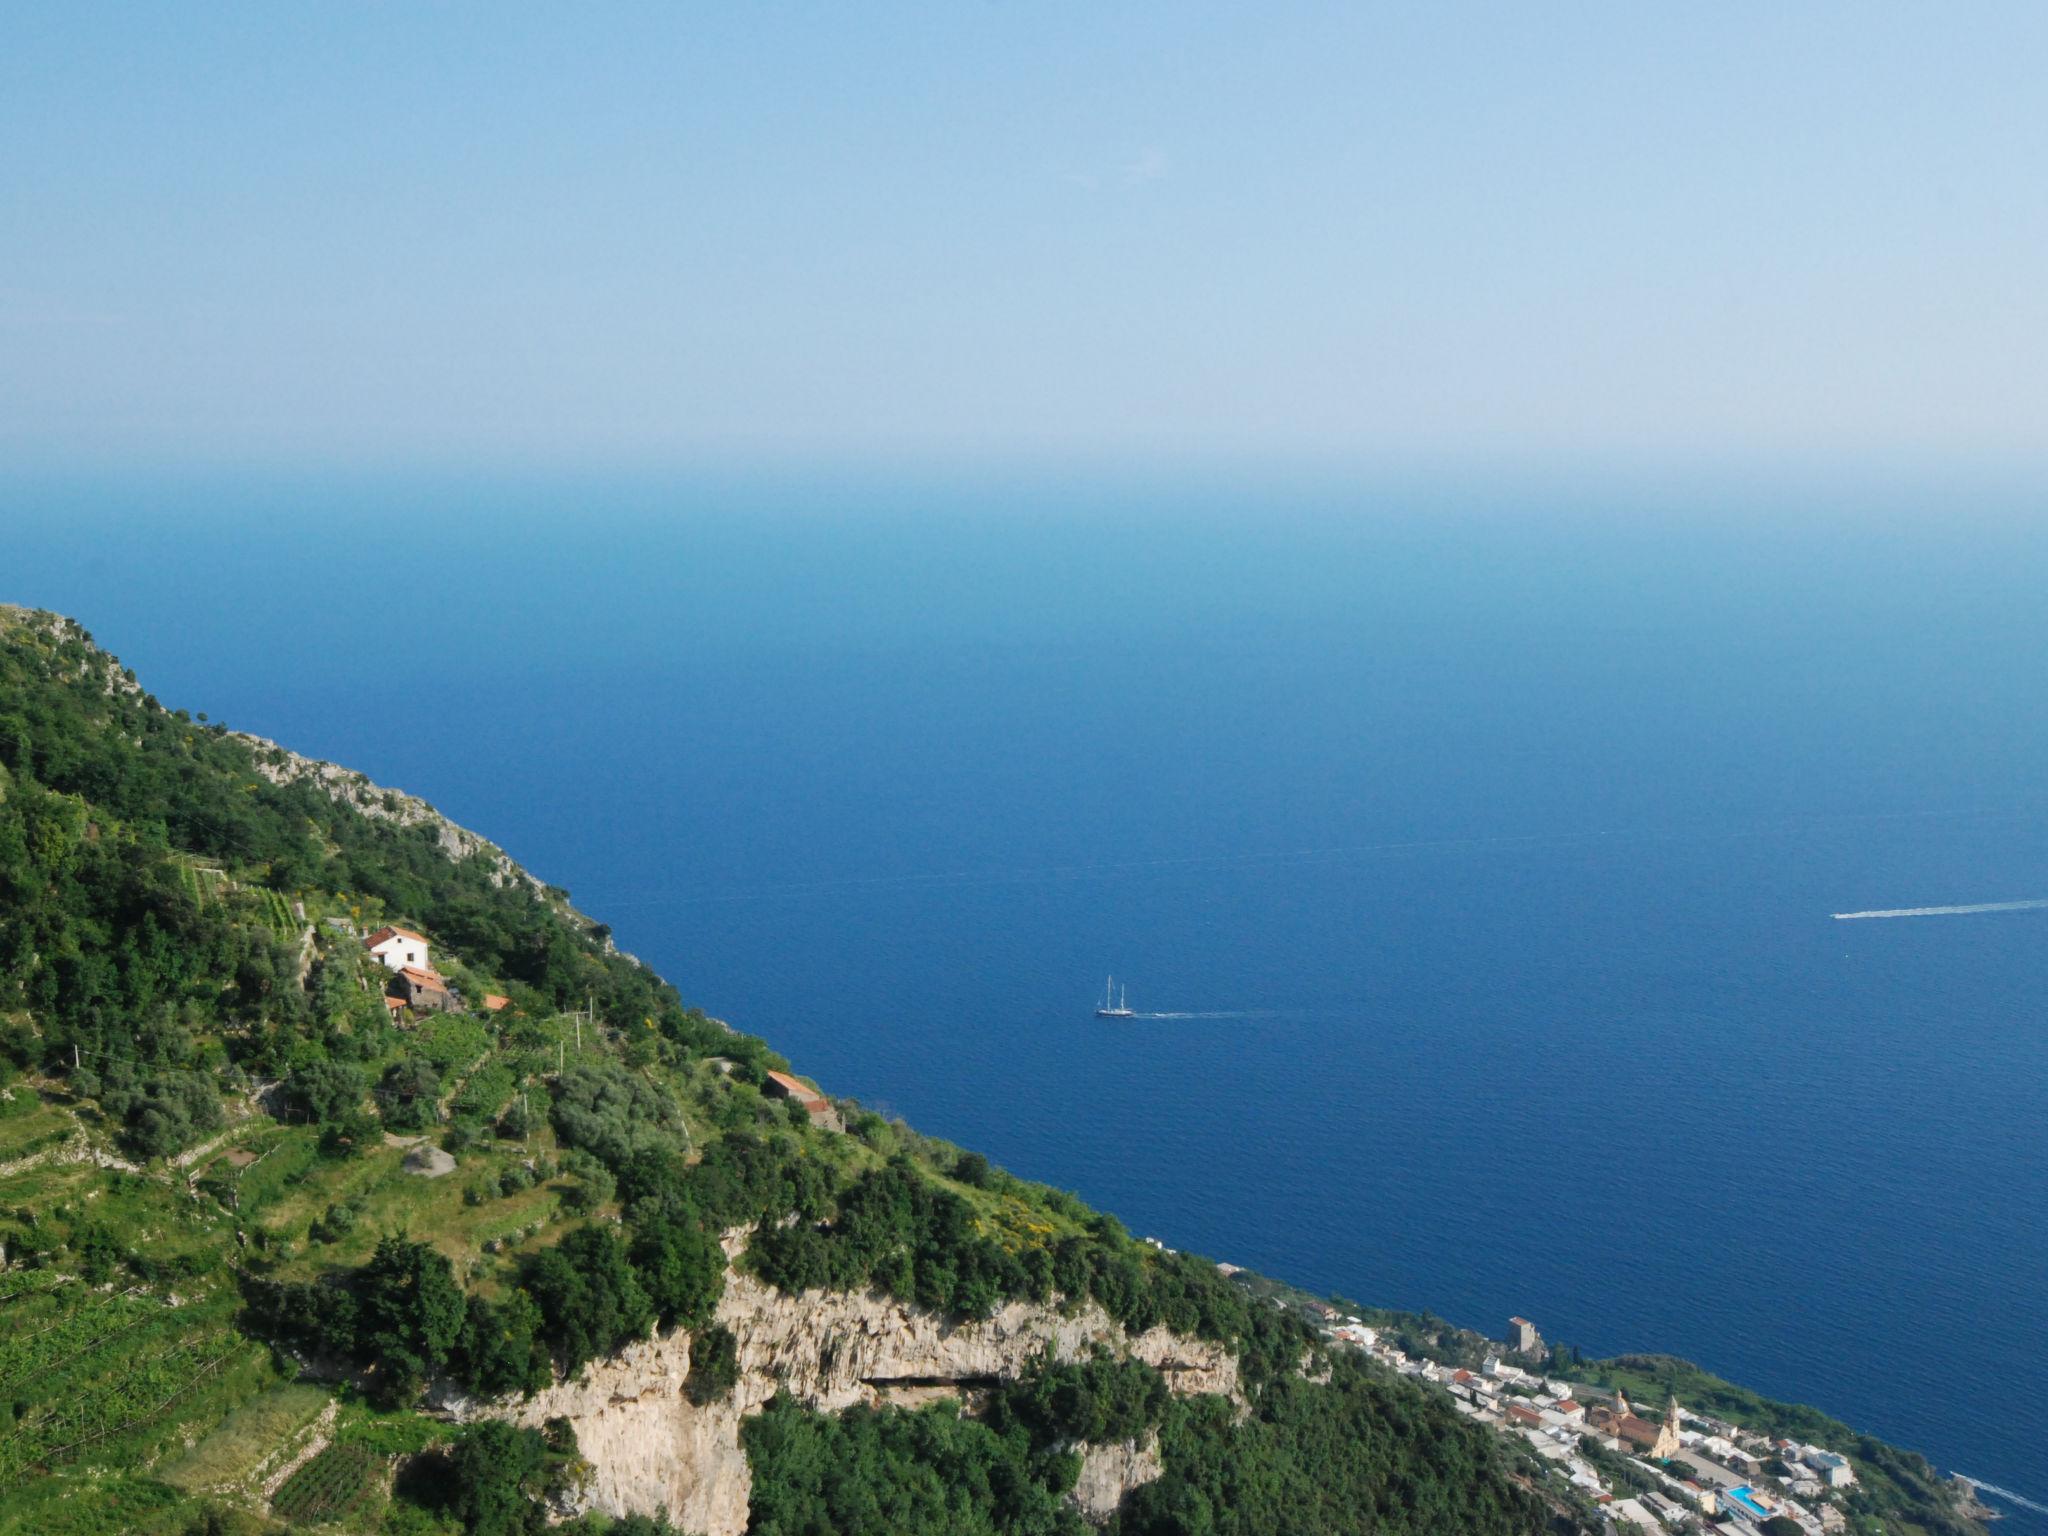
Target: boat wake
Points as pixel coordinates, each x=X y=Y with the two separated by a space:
x=1228 y=1013
x=1980 y=906
x=2019 y=1499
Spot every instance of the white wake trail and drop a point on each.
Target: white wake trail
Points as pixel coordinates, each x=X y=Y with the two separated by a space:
x=2006 y=1494
x=1233 y=1013
x=1980 y=906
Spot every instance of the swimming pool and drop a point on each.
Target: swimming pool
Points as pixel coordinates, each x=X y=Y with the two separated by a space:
x=1745 y=1501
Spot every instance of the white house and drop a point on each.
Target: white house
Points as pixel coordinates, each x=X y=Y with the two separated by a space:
x=398 y=948
x=1834 y=1469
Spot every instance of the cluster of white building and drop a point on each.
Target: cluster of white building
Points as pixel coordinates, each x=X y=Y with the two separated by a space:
x=1737 y=1479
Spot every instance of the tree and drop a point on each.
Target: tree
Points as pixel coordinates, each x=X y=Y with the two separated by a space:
x=407 y=1094
x=589 y=1297
x=496 y=1473
x=411 y=1315
x=683 y=1270
x=327 y=1090
x=501 y=1346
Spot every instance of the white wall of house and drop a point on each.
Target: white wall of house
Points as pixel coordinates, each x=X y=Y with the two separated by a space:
x=398 y=951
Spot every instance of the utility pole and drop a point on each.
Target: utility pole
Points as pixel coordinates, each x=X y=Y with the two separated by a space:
x=558 y=1058
x=74 y=1055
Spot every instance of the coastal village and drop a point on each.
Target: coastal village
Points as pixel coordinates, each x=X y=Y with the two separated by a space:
x=1649 y=1467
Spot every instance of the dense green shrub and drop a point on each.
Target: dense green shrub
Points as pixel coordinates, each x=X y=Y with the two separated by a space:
x=897 y=1229
x=335 y=1223
x=321 y=1090
x=743 y=1178
x=613 y=1113
x=682 y=1268
x=409 y=1319
x=162 y=1112
x=401 y=1314
x=714 y=1366
x=1098 y=1400
x=491 y=1479
x=502 y=1348
x=407 y=1094
x=895 y=1473
x=1362 y=1452
x=591 y=1301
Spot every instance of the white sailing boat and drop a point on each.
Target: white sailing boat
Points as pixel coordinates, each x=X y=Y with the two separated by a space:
x=1114 y=1005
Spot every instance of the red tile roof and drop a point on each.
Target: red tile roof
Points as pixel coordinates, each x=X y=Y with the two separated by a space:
x=392 y=933
x=433 y=981
x=802 y=1092
x=494 y=1002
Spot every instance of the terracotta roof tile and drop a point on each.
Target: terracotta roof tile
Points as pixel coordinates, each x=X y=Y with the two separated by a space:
x=796 y=1090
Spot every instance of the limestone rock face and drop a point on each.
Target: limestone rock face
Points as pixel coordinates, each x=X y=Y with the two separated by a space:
x=652 y=1450
x=1108 y=1472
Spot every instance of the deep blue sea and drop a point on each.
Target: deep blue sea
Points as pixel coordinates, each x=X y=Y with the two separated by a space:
x=1490 y=836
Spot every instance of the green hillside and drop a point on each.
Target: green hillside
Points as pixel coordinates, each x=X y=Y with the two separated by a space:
x=232 y=1294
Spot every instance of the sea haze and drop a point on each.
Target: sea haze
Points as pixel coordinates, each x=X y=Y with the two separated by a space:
x=1509 y=828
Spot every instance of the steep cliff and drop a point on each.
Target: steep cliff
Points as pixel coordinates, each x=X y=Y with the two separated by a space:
x=651 y=1448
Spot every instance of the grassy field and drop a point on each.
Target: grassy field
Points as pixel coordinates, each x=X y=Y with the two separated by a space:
x=246 y=1439
x=29 y=1125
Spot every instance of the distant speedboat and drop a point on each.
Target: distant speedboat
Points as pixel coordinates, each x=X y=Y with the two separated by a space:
x=1113 y=1004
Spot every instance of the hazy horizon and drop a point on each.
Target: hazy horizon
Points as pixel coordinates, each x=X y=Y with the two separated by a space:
x=532 y=238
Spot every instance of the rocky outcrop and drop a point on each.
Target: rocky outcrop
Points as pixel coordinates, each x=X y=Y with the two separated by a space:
x=652 y=1450
x=281 y=765
x=1108 y=1472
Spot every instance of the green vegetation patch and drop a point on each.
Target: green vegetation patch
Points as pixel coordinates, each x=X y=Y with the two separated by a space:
x=335 y=1484
x=1361 y=1453
x=87 y=1375
x=111 y=1504
x=892 y=1472
x=451 y=1040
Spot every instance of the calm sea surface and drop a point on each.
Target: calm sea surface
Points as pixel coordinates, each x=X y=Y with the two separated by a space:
x=1488 y=842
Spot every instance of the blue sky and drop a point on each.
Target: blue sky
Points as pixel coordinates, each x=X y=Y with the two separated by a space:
x=650 y=235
